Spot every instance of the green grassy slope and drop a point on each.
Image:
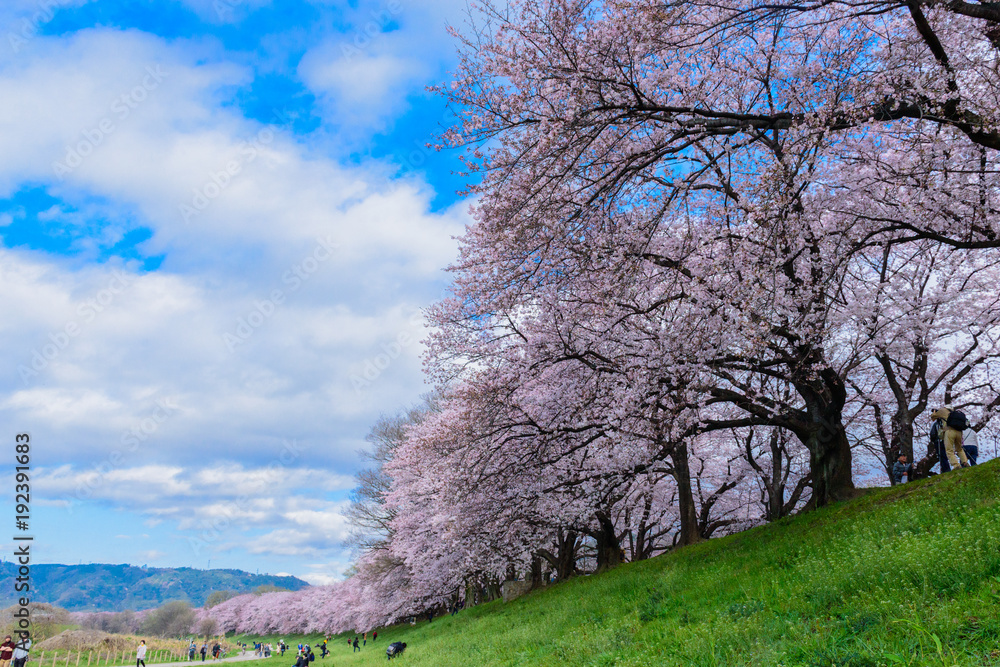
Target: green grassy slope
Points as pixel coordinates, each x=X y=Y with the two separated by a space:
x=902 y=576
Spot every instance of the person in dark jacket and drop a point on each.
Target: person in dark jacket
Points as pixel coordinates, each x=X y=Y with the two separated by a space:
x=6 y=651
x=937 y=443
x=395 y=649
x=356 y=647
x=204 y=651
x=901 y=469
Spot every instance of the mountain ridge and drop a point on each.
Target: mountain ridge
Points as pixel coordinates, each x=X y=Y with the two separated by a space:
x=117 y=587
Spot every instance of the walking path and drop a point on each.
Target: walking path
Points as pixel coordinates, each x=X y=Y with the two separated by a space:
x=208 y=662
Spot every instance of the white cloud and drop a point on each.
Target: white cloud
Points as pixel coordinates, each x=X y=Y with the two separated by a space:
x=360 y=90
x=127 y=376
x=169 y=335
x=324 y=574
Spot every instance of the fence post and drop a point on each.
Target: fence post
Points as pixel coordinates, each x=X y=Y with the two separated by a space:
x=90 y=654
x=78 y=656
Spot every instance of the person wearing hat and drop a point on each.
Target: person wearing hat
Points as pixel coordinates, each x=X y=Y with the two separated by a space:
x=952 y=438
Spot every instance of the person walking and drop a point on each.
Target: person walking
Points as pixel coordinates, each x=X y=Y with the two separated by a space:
x=192 y=649
x=140 y=654
x=951 y=435
x=356 y=647
x=6 y=651
x=204 y=651
x=374 y=636
x=364 y=639
x=21 y=649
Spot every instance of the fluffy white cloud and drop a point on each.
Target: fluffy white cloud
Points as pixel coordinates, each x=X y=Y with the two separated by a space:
x=290 y=281
x=360 y=90
x=285 y=314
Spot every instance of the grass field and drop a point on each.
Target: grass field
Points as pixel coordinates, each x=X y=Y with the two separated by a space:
x=902 y=576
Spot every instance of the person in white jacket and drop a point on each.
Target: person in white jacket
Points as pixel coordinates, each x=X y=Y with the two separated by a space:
x=21 y=649
x=970 y=443
x=140 y=654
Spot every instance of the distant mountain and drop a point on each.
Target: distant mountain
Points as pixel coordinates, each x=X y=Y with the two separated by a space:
x=121 y=587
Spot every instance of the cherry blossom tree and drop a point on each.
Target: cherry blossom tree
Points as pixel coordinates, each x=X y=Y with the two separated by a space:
x=931 y=334
x=716 y=244
x=727 y=159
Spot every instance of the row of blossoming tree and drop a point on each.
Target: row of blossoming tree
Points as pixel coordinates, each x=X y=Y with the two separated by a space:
x=726 y=257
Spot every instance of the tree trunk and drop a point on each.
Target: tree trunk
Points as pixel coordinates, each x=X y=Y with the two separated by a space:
x=609 y=550
x=565 y=564
x=639 y=546
x=687 y=506
x=536 y=573
x=922 y=468
x=830 y=463
x=775 y=487
x=826 y=439
x=903 y=428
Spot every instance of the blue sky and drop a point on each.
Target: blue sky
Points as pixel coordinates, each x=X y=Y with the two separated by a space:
x=215 y=216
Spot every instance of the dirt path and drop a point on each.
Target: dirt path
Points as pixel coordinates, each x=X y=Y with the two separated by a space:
x=208 y=662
